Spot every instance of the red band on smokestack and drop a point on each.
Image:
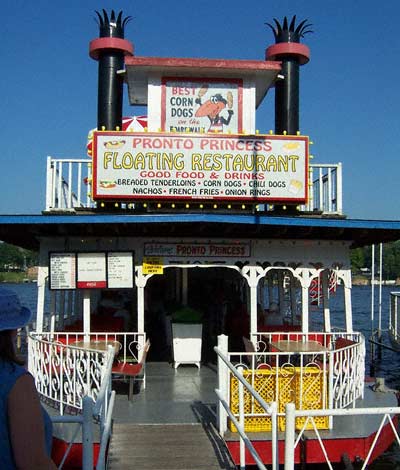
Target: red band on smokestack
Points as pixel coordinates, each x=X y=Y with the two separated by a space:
x=99 y=44
x=301 y=51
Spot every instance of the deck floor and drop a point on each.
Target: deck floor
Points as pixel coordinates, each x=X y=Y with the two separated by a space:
x=171 y=424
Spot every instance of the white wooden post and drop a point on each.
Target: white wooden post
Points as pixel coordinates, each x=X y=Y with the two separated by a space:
x=87 y=433
x=223 y=377
x=325 y=300
x=347 y=300
x=140 y=284
x=41 y=283
x=289 y=436
x=86 y=313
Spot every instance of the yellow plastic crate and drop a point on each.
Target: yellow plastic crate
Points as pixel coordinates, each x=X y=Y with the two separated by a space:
x=283 y=385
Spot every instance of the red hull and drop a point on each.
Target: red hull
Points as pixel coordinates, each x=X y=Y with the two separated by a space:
x=74 y=459
x=355 y=448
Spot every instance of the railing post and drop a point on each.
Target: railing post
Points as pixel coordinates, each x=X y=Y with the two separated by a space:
x=87 y=433
x=289 y=436
x=339 y=191
x=274 y=435
x=222 y=384
x=242 y=449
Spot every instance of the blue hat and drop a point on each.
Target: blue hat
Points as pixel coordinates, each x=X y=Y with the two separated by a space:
x=12 y=314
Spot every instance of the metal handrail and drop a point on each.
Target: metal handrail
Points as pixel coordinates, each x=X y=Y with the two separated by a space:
x=290 y=436
x=270 y=408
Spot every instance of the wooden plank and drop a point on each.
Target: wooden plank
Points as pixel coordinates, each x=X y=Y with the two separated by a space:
x=167 y=447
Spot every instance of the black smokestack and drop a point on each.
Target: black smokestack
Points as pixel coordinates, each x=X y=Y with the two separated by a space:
x=292 y=54
x=111 y=59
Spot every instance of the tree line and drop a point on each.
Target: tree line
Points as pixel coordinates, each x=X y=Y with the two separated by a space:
x=13 y=258
x=362 y=258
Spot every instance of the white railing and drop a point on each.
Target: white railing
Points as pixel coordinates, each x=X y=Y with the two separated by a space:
x=64 y=374
x=129 y=344
x=394 y=317
x=68 y=186
x=225 y=367
x=100 y=410
x=296 y=421
x=293 y=435
x=325 y=189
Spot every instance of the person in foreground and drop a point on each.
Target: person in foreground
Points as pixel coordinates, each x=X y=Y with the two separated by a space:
x=25 y=427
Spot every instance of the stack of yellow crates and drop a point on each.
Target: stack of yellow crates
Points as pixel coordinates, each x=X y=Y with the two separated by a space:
x=305 y=387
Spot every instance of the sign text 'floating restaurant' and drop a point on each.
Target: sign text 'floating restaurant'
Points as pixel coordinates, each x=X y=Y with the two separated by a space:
x=256 y=168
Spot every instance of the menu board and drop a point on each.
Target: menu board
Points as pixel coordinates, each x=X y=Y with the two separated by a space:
x=62 y=271
x=91 y=271
x=120 y=269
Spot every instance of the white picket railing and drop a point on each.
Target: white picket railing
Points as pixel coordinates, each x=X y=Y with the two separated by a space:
x=68 y=186
x=297 y=418
x=64 y=374
x=76 y=380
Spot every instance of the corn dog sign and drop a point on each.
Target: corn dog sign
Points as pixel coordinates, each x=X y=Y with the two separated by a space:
x=256 y=168
x=201 y=105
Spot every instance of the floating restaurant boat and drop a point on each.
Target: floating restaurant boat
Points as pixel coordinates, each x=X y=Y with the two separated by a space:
x=199 y=207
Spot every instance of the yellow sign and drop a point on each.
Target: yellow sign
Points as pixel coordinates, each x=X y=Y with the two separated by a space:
x=153 y=265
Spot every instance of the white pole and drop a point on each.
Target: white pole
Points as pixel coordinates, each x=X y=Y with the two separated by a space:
x=87 y=433
x=372 y=287
x=222 y=383
x=242 y=448
x=289 y=436
x=380 y=293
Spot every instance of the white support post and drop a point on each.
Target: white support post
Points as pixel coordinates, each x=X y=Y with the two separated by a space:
x=140 y=284
x=339 y=192
x=305 y=284
x=347 y=302
x=87 y=433
x=223 y=377
x=289 y=436
x=325 y=300
x=242 y=448
x=41 y=283
x=86 y=313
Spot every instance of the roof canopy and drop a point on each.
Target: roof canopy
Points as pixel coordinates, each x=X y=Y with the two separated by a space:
x=139 y=71
x=26 y=230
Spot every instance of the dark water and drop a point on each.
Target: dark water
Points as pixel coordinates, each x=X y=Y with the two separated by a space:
x=388 y=366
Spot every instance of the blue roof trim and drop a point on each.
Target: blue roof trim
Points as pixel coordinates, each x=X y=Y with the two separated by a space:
x=195 y=218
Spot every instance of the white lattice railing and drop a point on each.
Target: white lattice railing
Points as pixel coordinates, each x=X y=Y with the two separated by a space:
x=330 y=378
x=68 y=186
x=64 y=374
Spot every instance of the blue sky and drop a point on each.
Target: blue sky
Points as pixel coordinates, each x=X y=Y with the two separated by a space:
x=349 y=95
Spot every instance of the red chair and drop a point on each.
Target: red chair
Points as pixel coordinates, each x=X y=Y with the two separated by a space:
x=132 y=371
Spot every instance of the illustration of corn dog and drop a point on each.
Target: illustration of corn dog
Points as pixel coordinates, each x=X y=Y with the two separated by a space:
x=229 y=99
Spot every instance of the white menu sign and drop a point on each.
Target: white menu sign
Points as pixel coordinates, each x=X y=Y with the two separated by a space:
x=120 y=269
x=62 y=271
x=91 y=271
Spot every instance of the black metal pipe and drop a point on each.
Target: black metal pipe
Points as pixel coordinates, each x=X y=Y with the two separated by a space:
x=110 y=91
x=287 y=98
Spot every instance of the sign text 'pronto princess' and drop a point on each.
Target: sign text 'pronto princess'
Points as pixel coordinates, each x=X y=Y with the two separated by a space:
x=187 y=166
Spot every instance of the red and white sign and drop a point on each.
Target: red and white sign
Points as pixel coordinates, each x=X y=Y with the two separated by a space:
x=91 y=271
x=201 y=105
x=256 y=168
x=188 y=250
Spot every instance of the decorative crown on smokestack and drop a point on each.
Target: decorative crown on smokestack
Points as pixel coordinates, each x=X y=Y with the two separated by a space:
x=291 y=54
x=113 y=27
x=109 y=50
x=291 y=33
